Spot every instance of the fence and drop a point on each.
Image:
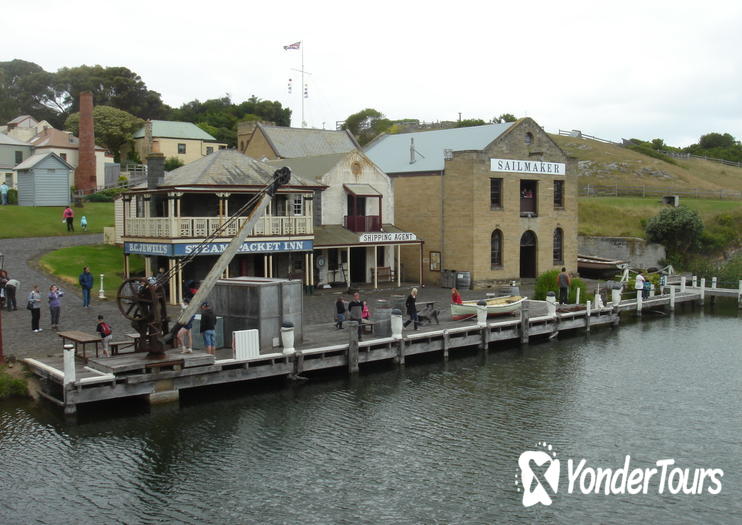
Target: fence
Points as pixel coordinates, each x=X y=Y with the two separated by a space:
x=617 y=190
x=576 y=133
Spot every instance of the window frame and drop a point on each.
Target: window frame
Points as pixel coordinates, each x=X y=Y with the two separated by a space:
x=183 y=148
x=557 y=246
x=559 y=204
x=496 y=255
x=496 y=191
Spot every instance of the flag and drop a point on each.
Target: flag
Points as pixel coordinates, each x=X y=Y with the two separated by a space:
x=295 y=45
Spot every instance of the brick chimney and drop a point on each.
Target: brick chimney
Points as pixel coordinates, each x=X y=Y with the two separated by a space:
x=85 y=172
x=155 y=169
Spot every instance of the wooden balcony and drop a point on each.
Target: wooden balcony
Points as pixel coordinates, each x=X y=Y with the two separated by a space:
x=200 y=227
x=362 y=223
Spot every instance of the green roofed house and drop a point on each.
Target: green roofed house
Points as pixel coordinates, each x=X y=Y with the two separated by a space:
x=182 y=140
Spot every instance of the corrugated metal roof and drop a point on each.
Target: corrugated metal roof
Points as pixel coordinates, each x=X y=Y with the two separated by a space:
x=290 y=143
x=33 y=160
x=310 y=167
x=392 y=152
x=362 y=190
x=336 y=235
x=227 y=168
x=175 y=130
x=10 y=141
x=56 y=138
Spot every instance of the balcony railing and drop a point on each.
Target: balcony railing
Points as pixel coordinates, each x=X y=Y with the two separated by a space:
x=528 y=207
x=362 y=223
x=200 y=227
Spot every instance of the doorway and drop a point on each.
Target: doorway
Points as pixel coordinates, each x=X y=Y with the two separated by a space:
x=358 y=265
x=528 y=245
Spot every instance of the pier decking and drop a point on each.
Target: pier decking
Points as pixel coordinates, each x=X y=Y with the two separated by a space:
x=324 y=347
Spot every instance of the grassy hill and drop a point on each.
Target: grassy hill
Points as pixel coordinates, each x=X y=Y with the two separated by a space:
x=601 y=163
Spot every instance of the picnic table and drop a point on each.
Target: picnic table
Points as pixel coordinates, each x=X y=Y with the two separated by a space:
x=80 y=338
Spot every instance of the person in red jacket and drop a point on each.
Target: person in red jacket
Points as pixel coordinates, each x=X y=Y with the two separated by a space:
x=455 y=296
x=68 y=215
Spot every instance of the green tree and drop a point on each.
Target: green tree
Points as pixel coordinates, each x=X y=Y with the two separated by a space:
x=173 y=163
x=505 y=117
x=26 y=89
x=366 y=124
x=469 y=122
x=658 y=144
x=113 y=127
x=678 y=229
x=716 y=140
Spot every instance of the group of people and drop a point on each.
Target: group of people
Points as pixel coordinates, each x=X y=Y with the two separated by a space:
x=184 y=337
x=68 y=217
x=357 y=310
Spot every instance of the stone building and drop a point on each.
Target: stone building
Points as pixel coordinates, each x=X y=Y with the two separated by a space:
x=261 y=140
x=499 y=201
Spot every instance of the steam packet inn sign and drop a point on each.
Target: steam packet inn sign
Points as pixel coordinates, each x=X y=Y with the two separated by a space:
x=528 y=166
x=215 y=248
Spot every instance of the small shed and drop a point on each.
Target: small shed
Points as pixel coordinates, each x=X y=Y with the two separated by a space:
x=44 y=180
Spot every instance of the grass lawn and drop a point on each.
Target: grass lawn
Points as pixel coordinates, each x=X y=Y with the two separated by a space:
x=622 y=216
x=27 y=221
x=67 y=264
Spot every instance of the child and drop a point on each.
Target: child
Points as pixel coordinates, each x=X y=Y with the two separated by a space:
x=84 y=223
x=339 y=313
x=364 y=312
x=105 y=331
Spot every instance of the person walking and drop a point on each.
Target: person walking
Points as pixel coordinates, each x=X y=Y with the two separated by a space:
x=68 y=215
x=11 y=289
x=105 y=331
x=355 y=312
x=86 y=283
x=563 y=281
x=185 y=332
x=411 y=306
x=4 y=193
x=34 y=304
x=208 y=328
x=339 y=312
x=84 y=223
x=55 y=305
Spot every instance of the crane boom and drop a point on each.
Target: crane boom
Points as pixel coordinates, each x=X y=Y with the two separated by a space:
x=280 y=177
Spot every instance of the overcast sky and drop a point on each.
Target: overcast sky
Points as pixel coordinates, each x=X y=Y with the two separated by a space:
x=620 y=69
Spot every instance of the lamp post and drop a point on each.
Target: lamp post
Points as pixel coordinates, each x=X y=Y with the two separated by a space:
x=101 y=294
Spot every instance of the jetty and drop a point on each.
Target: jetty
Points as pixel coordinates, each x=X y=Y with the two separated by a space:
x=70 y=380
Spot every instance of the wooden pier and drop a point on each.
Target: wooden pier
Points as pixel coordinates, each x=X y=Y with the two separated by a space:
x=133 y=374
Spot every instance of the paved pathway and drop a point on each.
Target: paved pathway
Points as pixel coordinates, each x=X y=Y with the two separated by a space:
x=21 y=261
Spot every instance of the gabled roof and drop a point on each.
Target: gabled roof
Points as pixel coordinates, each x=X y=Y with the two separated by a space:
x=310 y=167
x=21 y=118
x=10 y=141
x=175 y=130
x=56 y=138
x=392 y=152
x=33 y=160
x=290 y=143
x=227 y=168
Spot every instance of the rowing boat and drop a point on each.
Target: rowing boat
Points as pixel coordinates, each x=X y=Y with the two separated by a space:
x=496 y=306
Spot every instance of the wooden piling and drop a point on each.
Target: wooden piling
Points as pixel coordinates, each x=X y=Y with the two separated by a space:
x=672 y=298
x=703 y=291
x=682 y=283
x=639 y=303
x=524 y=325
x=445 y=345
x=694 y=281
x=353 y=348
x=587 y=316
x=739 y=295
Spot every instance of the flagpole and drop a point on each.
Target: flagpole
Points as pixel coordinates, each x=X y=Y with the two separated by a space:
x=303 y=122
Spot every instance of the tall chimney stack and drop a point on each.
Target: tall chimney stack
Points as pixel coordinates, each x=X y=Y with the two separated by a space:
x=85 y=173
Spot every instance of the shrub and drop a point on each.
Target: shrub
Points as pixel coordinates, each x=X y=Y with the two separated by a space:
x=173 y=163
x=104 y=195
x=12 y=196
x=11 y=386
x=647 y=150
x=678 y=229
x=547 y=282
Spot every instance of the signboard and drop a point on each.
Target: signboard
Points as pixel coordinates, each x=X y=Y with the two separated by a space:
x=528 y=166
x=387 y=237
x=216 y=248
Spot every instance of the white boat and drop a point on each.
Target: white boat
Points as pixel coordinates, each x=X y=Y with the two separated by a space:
x=496 y=306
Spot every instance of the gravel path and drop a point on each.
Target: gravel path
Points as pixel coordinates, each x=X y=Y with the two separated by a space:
x=21 y=261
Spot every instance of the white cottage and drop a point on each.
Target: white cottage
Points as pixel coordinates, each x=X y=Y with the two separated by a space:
x=44 y=180
x=355 y=240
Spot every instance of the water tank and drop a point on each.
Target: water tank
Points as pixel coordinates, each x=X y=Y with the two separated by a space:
x=463 y=280
x=382 y=317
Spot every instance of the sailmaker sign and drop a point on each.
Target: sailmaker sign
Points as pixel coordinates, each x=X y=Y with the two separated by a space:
x=528 y=166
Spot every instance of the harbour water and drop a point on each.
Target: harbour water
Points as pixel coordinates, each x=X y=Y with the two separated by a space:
x=431 y=442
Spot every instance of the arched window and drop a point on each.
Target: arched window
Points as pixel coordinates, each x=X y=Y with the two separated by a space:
x=558 y=246
x=496 y=249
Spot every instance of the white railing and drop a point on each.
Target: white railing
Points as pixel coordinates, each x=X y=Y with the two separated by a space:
x=201 y=227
